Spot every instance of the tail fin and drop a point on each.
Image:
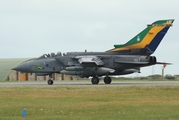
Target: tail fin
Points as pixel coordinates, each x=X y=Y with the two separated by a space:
x=148 y=40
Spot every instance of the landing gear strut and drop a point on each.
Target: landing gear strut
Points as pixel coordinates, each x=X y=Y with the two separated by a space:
x=50 y=82
x=95 y=80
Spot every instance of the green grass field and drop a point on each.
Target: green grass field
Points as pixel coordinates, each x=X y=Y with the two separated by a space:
x=90 y=103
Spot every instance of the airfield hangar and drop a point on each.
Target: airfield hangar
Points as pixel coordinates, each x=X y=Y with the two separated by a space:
x=7 y=74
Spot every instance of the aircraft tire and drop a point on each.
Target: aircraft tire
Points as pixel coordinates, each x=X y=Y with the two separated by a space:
x=95 y=80
x=50 y=82
x=107 y=80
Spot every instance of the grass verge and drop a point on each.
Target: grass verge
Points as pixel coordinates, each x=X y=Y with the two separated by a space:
x=90 y=102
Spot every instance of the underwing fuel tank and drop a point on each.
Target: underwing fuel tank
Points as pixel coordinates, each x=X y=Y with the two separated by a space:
x=74 y=68
x=131 y=70
x=98 y=71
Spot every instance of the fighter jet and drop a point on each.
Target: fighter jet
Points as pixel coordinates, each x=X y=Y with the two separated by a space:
x=121 y=60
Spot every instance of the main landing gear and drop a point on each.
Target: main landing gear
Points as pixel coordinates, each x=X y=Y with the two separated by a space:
x=50 y=82
x=95 y=80
x=107 y=80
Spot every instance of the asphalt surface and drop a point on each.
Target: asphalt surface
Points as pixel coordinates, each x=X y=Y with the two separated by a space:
x=88 y=83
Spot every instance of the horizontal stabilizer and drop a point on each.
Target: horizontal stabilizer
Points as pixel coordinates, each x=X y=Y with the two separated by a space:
x=132 y=62
x=163 y=63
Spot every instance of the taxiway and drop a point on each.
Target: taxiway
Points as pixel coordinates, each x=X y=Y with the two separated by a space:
x=88 y=83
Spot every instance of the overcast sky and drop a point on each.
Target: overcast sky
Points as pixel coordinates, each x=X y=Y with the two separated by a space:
x=30 y=28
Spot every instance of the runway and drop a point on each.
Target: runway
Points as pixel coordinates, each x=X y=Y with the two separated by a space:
x=87 y=83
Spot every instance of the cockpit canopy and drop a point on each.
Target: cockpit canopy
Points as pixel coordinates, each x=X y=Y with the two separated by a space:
x=50 y=55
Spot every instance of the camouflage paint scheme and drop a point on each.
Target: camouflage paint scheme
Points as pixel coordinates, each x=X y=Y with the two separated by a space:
x=123 y=59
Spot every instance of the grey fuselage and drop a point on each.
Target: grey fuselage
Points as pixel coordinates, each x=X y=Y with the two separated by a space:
x=86 y=64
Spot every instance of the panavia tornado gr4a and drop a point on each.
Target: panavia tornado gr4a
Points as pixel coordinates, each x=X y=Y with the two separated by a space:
x=122 y=59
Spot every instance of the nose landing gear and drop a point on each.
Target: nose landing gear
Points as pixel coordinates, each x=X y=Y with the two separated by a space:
x=50 y=81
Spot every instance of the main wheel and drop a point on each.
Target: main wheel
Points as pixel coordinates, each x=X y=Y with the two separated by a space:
x=50 y=82
x=107 y=80
x=95 y=80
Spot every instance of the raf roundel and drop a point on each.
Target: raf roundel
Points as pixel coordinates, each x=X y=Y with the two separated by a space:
x=47 y=65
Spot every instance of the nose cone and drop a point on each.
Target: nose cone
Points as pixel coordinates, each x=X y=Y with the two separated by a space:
x=22 y=67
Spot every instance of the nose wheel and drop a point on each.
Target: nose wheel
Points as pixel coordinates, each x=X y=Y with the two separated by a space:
x=50 y=82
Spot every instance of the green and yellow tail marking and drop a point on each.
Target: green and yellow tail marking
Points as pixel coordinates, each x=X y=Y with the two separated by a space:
x=153 y=34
